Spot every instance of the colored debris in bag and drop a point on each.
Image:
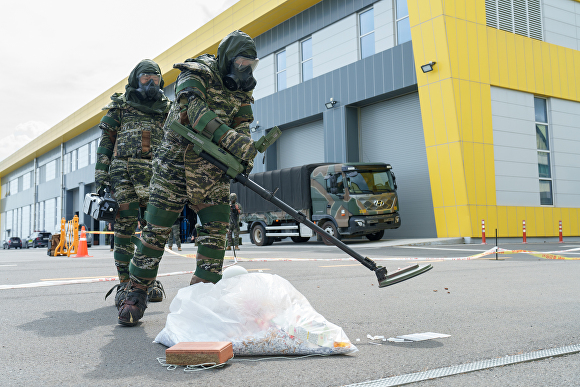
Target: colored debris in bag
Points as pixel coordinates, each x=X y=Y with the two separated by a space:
x=277 y=341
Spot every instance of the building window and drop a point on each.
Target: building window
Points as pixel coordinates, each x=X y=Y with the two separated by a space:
x=281 y=70
x=26 y=181
x=366 y=21
x=14 y=187
x=93 y=151
x=67 y=162
x=83 y=156
x=50 y=172
x=403 y=24
x=73 y=160
x=543 y=145
x=516 y=16
x=306 y=52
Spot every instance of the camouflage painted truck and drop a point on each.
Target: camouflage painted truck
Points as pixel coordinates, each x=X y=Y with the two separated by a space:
x=346 y=200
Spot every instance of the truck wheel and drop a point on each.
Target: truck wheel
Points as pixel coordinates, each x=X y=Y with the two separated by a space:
x=375 y=236
x=259 y=236
x=330 y=228
x=297 y=239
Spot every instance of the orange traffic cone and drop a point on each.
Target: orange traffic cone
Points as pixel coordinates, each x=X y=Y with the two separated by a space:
x=83 y=251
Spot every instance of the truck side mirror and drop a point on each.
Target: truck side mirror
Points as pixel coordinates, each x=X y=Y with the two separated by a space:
x=394 y=180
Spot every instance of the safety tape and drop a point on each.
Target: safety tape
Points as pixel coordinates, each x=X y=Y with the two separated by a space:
x=106 y=232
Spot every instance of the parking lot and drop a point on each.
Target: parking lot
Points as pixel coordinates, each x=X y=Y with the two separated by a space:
x=519 y=304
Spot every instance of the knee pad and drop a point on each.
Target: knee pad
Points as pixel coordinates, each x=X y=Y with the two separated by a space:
x=128 y=209
x=218 y=213
x=159 y=217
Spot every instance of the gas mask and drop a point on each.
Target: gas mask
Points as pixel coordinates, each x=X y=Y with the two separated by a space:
x=149 y=87
x=240 y=76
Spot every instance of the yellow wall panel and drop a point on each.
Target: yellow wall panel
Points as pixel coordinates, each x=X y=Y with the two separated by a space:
x=493 y=55
x=532 y=228
x=549 y=221
x=572 y=75
x=419 y=54
x=556 y=218
x=460 y=9
x=438 y=114
x=441 y=49
x=475 y=223
x=480 y=192
x=502 y=59
x=424 y=10
x=440 y=222
x=435 y=177
x=486 y=114
x=413 y=7
x=540 y=221
x=462 y=49
x=473 y=52
x=538 y=68
x=489 y=171
x=451 y=33
x=476 y=121
x=456 y=159
x=446 y=176
x=426 y=115
x=574 y=218
x=565 y=222
x=449 y=7
x=431 y=53
x=512 y=61
x=513 y=221
x=529 y=64
x=459 y=106
x=576 y=66
x=452 y=221
x=451 y=123
x=548 y=74
x=469 y=167
x=482 y=215
x=482 y=52
x=521 y=62
x=470 y=10
x=555 y=70
x=436 y=7
x=565 y=90
x=502 y=221
x=464 y=219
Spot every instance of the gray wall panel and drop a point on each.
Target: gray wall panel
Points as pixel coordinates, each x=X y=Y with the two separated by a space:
x=388 y=70
x=398 y=67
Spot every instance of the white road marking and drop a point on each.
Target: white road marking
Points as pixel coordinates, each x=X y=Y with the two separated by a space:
x=437 y=248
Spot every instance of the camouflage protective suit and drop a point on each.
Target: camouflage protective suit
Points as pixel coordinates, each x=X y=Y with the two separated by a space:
x=234 y=227
x=132 y=131
x=180 y=176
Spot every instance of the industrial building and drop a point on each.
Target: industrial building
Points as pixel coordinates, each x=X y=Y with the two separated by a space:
x=475 y=104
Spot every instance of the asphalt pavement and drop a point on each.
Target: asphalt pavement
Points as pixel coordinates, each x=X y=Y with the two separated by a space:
x=67 y=335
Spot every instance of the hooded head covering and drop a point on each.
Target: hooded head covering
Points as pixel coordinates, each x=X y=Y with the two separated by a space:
x=131 y=94
x=236 y=43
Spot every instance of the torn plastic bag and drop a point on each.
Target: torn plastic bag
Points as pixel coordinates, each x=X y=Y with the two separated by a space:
x=261 y=314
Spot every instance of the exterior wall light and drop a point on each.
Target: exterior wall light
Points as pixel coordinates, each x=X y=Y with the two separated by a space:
x=428 y=67
x=330 y=104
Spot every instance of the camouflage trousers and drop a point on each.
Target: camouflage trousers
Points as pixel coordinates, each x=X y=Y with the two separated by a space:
x=180 y=177
x=130 y=185
x=233 y=233
x=174 y=236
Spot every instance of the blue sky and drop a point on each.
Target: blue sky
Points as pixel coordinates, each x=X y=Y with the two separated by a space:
x=59 y=55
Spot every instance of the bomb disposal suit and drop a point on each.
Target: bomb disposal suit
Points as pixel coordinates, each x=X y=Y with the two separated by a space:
x=213 y=96
x=132 y=131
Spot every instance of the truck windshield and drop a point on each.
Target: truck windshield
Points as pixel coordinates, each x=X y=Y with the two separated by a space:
x=369 y=181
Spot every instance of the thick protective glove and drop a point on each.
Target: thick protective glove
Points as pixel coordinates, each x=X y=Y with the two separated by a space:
x=239 y=145
x=249 y=166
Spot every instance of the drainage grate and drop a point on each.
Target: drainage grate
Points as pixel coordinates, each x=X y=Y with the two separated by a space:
x=469 y=367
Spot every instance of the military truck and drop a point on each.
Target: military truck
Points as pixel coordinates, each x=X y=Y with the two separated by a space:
x=346 y=200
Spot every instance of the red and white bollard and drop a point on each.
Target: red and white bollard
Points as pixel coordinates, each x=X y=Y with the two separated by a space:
x=561 y=238
x=524 y=231
x=483 y=232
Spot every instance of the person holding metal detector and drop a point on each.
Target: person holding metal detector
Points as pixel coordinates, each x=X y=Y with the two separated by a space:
x=213 y=97
x=132 y=131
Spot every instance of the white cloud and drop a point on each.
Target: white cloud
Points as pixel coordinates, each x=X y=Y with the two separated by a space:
x=20 y=136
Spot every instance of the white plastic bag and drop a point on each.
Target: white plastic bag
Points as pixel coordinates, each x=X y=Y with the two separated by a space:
x=261 y=314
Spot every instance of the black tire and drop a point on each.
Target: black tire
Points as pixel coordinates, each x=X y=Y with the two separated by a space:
x=259 y=236
x=330 y=228
x=297 y=239
x=376 y=235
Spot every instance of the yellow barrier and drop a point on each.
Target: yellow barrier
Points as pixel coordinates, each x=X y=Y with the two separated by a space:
x=69 y=237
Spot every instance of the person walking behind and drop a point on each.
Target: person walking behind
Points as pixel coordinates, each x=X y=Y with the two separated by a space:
x=234 y=227
x=175 y=235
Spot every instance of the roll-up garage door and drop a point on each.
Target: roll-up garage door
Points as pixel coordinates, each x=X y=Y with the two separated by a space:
x=301 y=145
x=392 y=132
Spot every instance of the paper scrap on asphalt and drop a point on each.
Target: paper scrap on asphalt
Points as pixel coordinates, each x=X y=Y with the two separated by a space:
x=417 y=337
x=375 y=337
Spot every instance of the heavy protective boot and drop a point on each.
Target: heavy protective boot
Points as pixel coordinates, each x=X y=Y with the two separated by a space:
x=132 y=306
x=120 y=293
x=155 y=292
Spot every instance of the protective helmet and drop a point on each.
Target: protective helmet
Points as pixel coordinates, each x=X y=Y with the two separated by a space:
x=233 y=197
x=147 y=81
x=237 y=59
